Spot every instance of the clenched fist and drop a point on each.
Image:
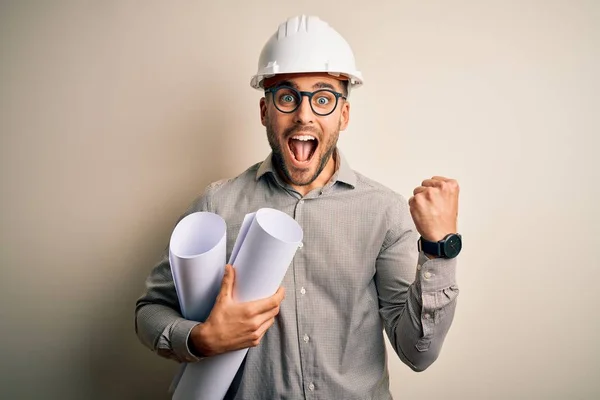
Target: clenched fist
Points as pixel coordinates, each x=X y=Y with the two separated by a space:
x=434 y=207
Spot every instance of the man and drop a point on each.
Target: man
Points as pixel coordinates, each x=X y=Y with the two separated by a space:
x=321 y=335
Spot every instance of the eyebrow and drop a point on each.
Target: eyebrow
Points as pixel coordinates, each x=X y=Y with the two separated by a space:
x=286 y=83
x=318 y=85
x=323 y=85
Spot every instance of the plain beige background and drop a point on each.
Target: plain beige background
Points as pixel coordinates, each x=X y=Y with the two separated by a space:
x=114 y=115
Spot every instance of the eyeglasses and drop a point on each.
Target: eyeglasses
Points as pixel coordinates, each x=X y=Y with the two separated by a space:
x=322 y=102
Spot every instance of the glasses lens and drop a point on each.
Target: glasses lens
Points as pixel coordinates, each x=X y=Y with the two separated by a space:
x=323 y=101
x=286 y=99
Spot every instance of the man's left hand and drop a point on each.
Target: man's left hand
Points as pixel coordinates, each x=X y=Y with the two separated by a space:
x=434 y=207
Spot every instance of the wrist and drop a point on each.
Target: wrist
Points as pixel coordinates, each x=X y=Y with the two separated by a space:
x=197 y=341
x=438 y=235
x=448 y=247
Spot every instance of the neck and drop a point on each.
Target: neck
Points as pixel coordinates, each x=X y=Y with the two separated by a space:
x=321 y=180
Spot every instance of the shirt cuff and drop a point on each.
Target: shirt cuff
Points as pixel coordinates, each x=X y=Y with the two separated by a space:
x=437 y=273
x=179 y=340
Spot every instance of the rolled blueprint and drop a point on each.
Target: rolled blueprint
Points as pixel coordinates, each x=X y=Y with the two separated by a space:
x=265 y=246
x=197 y=253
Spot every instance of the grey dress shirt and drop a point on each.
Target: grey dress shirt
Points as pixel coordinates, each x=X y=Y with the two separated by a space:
x=358 y=273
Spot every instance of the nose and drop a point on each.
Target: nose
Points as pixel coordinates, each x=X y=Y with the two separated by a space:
x=304 y=114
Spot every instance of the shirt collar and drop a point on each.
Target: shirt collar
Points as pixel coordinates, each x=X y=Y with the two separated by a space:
x=343 y=173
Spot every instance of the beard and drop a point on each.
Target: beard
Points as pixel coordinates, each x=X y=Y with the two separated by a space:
x=323 y=152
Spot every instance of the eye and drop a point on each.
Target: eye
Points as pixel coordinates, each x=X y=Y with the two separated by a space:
x=322 y=100
x=287 y=98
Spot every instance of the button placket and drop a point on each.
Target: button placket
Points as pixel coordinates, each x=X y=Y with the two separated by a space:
x=298 y=208
x=302 y=307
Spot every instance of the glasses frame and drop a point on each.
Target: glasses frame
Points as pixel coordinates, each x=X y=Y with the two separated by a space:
x=301 y=94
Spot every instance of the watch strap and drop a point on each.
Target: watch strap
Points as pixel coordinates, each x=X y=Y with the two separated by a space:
x=433 y=248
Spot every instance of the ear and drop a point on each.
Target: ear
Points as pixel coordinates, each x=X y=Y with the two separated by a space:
x=345 y=115
x=263 y=111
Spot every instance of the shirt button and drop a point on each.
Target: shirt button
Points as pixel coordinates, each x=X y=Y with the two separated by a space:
x=427 y=275
x=418 y=267
x=306 y=338
x=300 y=245
x=311 y=387
x=303 y=291
x=427 y=316
x=301 y=202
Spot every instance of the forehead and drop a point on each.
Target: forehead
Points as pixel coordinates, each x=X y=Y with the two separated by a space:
x=306 y=81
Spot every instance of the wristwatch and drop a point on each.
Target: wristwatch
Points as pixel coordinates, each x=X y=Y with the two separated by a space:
x=448 y=247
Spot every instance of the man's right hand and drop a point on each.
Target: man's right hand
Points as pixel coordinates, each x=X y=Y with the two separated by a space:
x=232 y=325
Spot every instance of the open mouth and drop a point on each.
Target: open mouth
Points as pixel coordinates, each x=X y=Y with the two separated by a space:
x=302 y=148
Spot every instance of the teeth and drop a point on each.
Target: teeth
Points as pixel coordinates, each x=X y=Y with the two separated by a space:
x=303 y=138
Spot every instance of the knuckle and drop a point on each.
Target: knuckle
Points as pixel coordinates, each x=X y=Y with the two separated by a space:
x=255 y=336
x=248 y=312
x=255 y=342
x=254 y=325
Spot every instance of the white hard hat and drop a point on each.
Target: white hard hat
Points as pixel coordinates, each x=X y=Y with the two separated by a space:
x=306 y=44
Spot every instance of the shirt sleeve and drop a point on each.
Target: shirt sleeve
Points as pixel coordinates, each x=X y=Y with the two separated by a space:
x=159 y=323
x=417 y=295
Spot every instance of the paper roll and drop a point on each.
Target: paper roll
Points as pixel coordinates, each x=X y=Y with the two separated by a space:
x=197 y=253
x=264 y=249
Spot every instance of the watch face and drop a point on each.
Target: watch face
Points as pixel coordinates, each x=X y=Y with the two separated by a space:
x=452 y=246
